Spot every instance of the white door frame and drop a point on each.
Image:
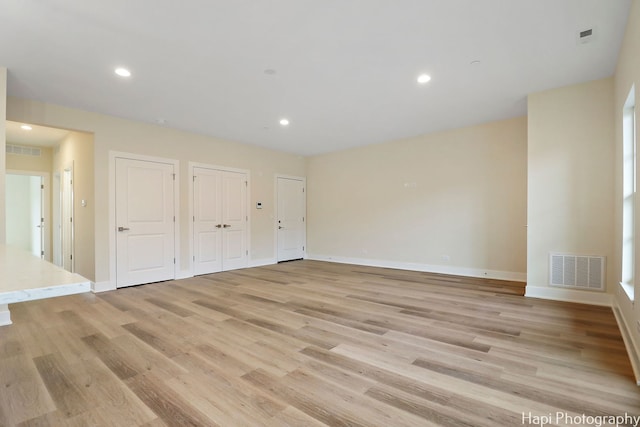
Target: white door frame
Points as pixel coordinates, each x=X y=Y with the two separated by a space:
x=275 y=211
x=71 y=207
x=191 y=167
x=46 y=204
x=56 y=221
x=112 y=209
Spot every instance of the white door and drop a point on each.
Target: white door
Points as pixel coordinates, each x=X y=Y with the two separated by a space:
x=291 y=221
x=220 y=220
x=145 y=249
x=234 y=220
x=207 y=221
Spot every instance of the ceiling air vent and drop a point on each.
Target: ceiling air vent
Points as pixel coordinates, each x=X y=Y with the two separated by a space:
x=23 y=150
x=586 y=36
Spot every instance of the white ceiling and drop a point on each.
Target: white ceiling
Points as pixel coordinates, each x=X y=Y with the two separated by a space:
x=38 y=136
x=345 y=71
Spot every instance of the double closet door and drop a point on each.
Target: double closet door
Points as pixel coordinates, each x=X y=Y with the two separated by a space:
x=220 y=220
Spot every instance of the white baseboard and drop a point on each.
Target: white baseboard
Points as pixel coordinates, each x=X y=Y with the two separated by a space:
x=629 y=342
x=428 y=268
x=97 y=287
x=184 y=274
x=262 y=262
x=5 y=315
x=569 y=295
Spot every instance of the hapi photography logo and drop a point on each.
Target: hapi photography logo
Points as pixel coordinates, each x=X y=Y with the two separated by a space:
x=580 y=420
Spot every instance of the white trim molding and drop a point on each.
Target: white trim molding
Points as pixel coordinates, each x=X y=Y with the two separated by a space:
x=569 y=295
x=5 y=315
x=105 y=286
x=629 y=342
x=184 y=274
x=628 y=289
x=427 y=268
x=262 y=262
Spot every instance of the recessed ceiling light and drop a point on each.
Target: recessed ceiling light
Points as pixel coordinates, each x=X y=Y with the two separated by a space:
x=123 y=72
x=474 y=63
x=423 y=78
x=284 y=122
x=270 y=71
x=26 y=127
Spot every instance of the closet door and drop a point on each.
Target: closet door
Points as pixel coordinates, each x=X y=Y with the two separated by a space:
x=220 y=220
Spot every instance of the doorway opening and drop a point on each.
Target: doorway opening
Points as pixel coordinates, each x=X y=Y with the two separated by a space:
x=27 y=226
x=65 y=159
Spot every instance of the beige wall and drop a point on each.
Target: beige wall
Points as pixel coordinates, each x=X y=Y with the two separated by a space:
x=121 y=135
x=627 y=74
x=3 y=131
x=76 y=150
x=409 y=203
x=42 y=163
x=570 y=169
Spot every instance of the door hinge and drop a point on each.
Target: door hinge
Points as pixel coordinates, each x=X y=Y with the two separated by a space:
x=302 y=219
x=42 y=186
x=42 y=220
x=194 y=258
x=174 y=218
x=41 y=253
x=194 y=178
x=303 y=248
x=174 y=176
x=194 y=218
x=71 y=256
x=247 y=251
x=246 y=218
x=246 y=183
x=70 y=219
x=174 y=260
x=303 y=189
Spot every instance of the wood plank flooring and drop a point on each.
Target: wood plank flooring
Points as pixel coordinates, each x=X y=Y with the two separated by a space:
x=311 y=344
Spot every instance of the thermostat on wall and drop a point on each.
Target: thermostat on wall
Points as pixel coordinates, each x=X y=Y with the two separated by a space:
x=259 y=205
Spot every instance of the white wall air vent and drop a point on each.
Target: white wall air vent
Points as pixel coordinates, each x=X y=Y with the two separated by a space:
x=577 y=271
x=586 y=36
x=23 y=150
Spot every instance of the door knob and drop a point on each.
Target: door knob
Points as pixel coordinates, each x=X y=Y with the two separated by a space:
x=280 y=227
x=227 y=225
x=219 y=226
x=123 y=229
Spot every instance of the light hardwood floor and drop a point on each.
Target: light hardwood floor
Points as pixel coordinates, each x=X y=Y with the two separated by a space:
x=310 y=344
